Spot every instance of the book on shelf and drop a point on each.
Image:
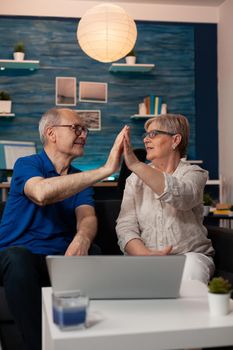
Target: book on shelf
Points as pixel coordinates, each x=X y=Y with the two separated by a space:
x=223 y=209
x=147 y=104
x=153 y=104
x=157 y=105
x=225 y=212
x=224 y=206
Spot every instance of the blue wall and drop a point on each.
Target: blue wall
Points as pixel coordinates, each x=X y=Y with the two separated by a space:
x=183 y=77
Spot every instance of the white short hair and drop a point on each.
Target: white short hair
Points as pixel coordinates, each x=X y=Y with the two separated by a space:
x=50 y=118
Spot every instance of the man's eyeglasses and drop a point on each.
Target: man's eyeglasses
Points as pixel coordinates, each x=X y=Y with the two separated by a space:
x=151 y=134
x=78 y=129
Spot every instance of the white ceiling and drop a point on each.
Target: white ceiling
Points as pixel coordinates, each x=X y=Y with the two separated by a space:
x=211 y=3
x=200 y=11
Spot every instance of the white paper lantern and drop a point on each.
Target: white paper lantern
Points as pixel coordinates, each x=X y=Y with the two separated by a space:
x=106 y=33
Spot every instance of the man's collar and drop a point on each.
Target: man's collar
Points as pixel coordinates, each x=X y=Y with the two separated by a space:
x=49 y=165
x=47 y=162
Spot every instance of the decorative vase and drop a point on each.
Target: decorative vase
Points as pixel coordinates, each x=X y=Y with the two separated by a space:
x=164 y=108
x=5 y=106
x=219 y=304
x=206 y=210
x=130 y=59
x=142 y=109
x=18 y=56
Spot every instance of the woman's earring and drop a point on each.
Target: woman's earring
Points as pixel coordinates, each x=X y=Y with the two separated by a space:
x=174 y=146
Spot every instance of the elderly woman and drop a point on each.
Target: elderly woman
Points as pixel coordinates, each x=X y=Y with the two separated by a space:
x=162 y=210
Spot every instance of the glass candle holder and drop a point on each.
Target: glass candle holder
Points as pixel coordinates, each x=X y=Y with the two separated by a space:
x=70 y=309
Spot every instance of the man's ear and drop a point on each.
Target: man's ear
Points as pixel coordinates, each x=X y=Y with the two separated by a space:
x=50 y=134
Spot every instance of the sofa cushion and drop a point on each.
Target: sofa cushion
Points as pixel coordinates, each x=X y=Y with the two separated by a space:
x=107 y=212
x=11 y=339
x=5 y=314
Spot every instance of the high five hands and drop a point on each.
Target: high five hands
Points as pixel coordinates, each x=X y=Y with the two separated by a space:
x=122 y=144
x=114 y=158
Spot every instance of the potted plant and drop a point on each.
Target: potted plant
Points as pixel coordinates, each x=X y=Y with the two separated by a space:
x=5 y=102
x=207 y=202
x=219 y=292
x=130 y=58
x=19 y=51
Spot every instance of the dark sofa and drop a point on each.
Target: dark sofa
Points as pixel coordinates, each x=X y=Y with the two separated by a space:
x=107 y=212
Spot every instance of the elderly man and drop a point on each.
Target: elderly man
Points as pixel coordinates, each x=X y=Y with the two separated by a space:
x=50 y=210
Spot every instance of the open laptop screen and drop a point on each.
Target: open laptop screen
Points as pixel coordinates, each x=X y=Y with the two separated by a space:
x=118 y=277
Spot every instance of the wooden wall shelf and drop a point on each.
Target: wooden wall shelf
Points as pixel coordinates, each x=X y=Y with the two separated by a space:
x=140 y=116
x=7 y=115
x=137 y=68
x=13 y=64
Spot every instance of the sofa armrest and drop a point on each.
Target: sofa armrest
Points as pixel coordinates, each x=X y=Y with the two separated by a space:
x=222 y=240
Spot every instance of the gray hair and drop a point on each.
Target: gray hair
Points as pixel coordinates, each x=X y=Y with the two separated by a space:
x=50 y=118
x=174 y=123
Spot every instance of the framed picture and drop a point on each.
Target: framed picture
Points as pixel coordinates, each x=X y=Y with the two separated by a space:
x=66 y=91
x=93 y=92
x=91 y=118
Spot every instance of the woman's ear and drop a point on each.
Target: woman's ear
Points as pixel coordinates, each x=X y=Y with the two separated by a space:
x=177 y=139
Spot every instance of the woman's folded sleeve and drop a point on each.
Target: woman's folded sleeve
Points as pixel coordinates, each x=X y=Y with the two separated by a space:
x=184 y=191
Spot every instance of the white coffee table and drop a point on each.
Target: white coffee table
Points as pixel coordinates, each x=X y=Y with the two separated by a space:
x=143 y=324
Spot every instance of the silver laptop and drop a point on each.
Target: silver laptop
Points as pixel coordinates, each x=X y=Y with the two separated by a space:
x=118 y=277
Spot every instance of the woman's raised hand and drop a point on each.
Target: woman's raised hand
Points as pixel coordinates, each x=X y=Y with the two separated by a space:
x=130 y=158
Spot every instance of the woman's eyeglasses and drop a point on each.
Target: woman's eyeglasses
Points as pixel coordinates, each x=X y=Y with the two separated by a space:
x=78 y=129
x=151 y=134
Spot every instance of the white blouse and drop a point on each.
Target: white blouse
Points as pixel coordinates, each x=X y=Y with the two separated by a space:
x=173 y=218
